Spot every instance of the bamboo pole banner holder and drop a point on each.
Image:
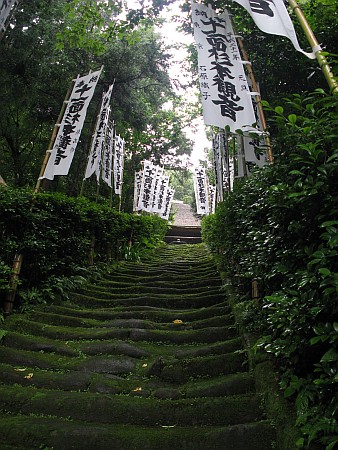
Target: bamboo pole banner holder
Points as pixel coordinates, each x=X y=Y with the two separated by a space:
x=323 y=62
x=13 y=282
x=258 y=97
x=53 y=137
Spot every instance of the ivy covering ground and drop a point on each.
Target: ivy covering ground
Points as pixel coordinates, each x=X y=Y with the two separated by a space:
x=280 y=226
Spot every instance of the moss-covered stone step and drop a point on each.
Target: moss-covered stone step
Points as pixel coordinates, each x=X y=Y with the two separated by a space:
x=168 y=368
x=180 y=371
x=161 y=278
x=183 y=284
x=229 y=385
x=175 y=335
x=157 y=273
x=74 y=349
x=115 y=365
x=136 y=410
x=97 y=300
x=154 y=314
x=104 y=293
x=136 y=319
x=28 y=433
x=142 y=289
x=93 y=347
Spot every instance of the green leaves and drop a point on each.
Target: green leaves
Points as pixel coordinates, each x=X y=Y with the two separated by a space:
x=281 y=227
x=56 y=234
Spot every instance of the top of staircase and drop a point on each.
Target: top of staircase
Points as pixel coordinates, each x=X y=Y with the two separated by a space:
x=184 y=215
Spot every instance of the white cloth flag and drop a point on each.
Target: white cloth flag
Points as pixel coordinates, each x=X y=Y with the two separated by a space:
x=161 y=194
x=169 y=195
x=5 y=9
x=224 y=147
x=218 y=167
x=107 y=157
x=147 y=187
x=272 y=17
x=95 y=154
x=137 y=188
x=159 y=176
x=71 y=126
x=118 y=164
x=201 y=191
x=224 y=89
x=212 y=197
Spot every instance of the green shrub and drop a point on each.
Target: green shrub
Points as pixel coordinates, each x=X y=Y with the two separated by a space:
x=281 y=227
x=59 y=235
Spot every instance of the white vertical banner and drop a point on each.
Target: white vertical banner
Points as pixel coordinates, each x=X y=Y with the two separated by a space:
x=212 y=199
x=201 y=191
x=159 y=176
x=5 y=9
x=224 y=147
x=147 y=187
x=118 y=164
x=95 y=154
x=137 y=188
x=272 y=17
x=231 y=172
x=218 y=167
x=71 y=126
x=225 y=93
x=161 y=194
x=107 y=156
x=169 y=195
x=255 y=149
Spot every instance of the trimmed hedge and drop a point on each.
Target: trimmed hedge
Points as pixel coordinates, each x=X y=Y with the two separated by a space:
x=280 y=226
x=56 y=233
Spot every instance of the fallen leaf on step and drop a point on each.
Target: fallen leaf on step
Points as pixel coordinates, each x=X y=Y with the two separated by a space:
x=178 y=321
x=19 y=369
x=29 y=376
x=137 y=389
x=144 y=365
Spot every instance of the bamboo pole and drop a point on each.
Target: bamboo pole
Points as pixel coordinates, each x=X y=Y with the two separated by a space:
x=323 y=62
x=53 y=137
x=13 y=283
x=258 y=97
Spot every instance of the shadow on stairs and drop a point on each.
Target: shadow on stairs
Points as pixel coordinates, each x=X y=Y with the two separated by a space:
x=183 y=235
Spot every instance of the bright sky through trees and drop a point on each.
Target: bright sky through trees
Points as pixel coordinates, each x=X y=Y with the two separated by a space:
x=178 y=39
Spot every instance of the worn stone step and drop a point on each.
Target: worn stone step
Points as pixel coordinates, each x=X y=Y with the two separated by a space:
x=158 y=283
x=119 y=409
x=139 y=289
x=154 y=313
x=208 y=335
x=61 y=434
x=58 y=315
x=72 y=380
x=96 y=299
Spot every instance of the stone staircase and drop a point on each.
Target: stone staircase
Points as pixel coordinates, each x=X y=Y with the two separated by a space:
x=187 y=226
x=147 y=358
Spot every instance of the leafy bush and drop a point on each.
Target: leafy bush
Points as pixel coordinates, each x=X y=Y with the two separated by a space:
x=59 y=236
x=280 y=226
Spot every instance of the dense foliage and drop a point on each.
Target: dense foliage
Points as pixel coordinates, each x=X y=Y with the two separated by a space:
x=46 y=45
x=280 y=226
x=60 y=236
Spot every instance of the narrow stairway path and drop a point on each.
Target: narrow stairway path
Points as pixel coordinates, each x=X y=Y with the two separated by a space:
x=146 y=358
